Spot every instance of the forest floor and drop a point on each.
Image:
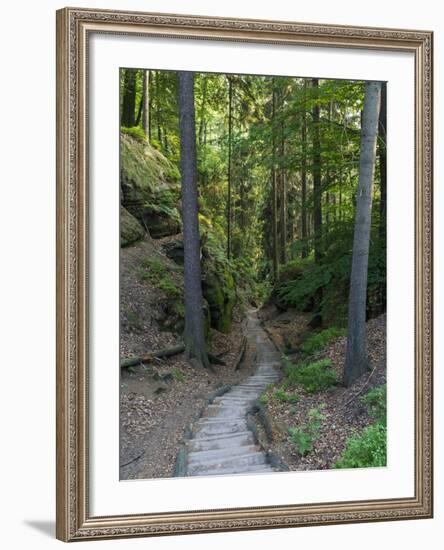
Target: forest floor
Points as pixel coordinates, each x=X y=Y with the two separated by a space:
x=345 y=414
x=161 y=399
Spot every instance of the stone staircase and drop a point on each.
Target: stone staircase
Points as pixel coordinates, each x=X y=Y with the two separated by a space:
x=221 y=443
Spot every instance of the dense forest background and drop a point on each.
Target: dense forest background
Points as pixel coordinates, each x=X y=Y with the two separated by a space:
x=277 y=169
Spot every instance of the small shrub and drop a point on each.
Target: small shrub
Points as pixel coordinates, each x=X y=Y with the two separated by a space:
x=168 y=287
x=313 y=377
x=376 y=401
x=178 y=375
x=155 y=271
x=303 y=438
x=319 y=340
x=153 y=267
x=284 y=397
x=367 y=450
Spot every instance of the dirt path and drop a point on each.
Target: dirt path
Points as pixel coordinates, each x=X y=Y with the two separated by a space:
x=221 y=442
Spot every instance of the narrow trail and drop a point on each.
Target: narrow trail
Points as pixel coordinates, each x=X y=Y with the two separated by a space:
x=221 y=443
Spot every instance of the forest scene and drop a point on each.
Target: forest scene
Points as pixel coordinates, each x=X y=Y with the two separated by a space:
x=252 y=274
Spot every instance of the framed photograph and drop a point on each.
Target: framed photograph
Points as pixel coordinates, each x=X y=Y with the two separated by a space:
x=244 y=274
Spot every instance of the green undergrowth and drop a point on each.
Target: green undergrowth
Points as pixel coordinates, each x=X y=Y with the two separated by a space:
x=154 y=271
x=279 y=395
x=319 y=340
x=313 y=377
x=303 y=437
x=320 y=286
x=366 y=450
x=369 y=448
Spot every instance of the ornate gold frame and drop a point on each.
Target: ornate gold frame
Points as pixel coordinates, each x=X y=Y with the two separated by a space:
x=73 y=519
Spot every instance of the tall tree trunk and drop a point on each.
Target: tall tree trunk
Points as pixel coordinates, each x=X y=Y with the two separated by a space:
x=202 y=109
x=317 y=199
x=275 y=246
x=382 y=153
x=304 y=229
x=328 y=181
x=317 y=184
x=158 y=110
x=129 y=98
x=229 y=164
x=140 y=108
x=283 y=196
x=146 y=103
x=194 y=335
x=356 y=360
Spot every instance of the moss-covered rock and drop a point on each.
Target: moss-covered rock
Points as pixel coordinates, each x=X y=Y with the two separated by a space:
x=174 y=250
x=219 y=291
x=149 y=186
x=159 y=224
x=130 y=229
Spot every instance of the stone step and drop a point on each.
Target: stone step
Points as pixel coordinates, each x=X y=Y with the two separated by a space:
x=227 y=462
x=221 y=453
x=208 y=430
x=260 y=469
x=223 y=411
x=243 y=402
x=220 y=441
x=212 y=420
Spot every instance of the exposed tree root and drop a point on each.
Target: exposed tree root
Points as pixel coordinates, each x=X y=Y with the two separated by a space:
x=165 y=352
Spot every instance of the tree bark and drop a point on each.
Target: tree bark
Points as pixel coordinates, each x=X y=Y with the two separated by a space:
x=129 y=99
x=194 y=336
x=202 y=109
x=275 y=246
x=304 y=231
x=316 y=168
x=140 y=108
x=382 y=153
x=356 y=360
x=158 y=110
x=283 y=196
x=229 y=175
x=146 y=104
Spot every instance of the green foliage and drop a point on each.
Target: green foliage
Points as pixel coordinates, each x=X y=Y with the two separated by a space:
x=303 y=438
x=169 y=288
x=285 y=397
x=302 y=281
x=313 y=377
x=376 y=401
x=154 y=271
x=136 y=132
x=154 y=267
x=319 y=340
x=369 y=449
x=178 y=375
